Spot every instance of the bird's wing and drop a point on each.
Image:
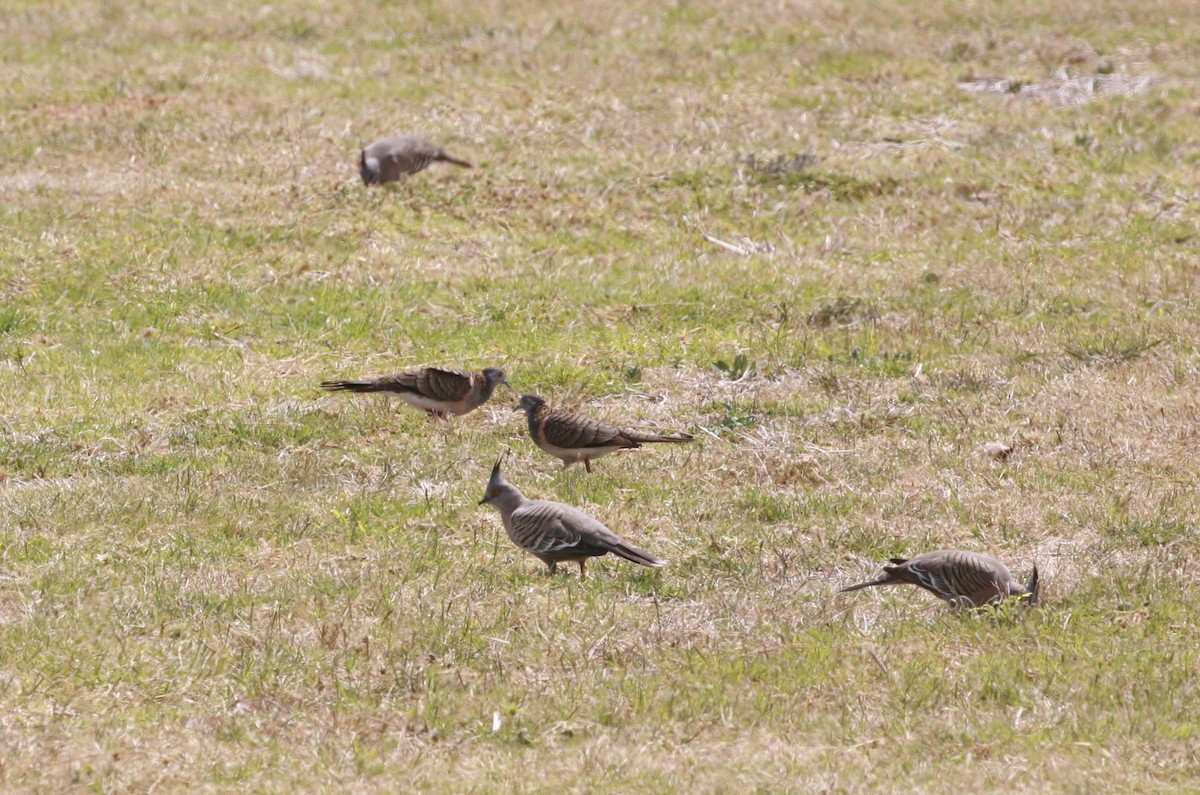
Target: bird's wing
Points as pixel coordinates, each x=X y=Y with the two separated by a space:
x=574 y=432
x=931 y=578
x=413 y=146
x=954 y=573
x=551 y=528
x=443 y=383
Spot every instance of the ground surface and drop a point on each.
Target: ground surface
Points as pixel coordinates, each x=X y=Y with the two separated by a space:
x=846 y=244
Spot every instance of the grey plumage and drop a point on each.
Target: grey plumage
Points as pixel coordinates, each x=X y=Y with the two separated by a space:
x=389 y=159
x=964 y=579
x=555 y=532
x=441 y=391
x=573 y=437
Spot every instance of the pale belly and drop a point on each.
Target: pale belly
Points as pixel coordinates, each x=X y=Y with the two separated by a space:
x=576 y=454
x=429 y=404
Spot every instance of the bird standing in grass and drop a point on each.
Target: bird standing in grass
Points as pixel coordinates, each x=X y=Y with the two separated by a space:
x=441 y=391
x=555 y=532
x=573 y=437
x=389 y=159
x=964 y=579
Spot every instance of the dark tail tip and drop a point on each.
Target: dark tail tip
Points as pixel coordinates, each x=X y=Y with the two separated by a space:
x=445 y=158
x=635 y=555
x=348 y=386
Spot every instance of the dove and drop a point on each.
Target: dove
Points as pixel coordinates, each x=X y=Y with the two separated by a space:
x=554 y=532
x=389 y=159
x=441 y=391
x=574 y=437
x=998 y=450
x=964 y=579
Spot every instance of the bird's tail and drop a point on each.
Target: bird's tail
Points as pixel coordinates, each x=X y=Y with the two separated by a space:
x=351 y=386
x=632 y=553
x=655 y=437
x=886 y=579
x=445 y=158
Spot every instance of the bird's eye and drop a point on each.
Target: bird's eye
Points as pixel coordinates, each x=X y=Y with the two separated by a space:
x=495 y=492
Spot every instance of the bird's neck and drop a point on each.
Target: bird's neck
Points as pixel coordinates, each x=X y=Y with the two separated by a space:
x=533 y=417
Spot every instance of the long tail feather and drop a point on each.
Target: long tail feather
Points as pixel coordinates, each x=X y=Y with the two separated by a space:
x=654 y=437
x=351 y=386
x=885 y=580
x=445 y=158
x=632 y=553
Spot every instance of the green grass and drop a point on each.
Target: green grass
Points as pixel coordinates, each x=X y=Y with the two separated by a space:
x=215 y=576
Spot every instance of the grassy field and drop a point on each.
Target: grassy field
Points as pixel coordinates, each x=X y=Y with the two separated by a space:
x=784 y=227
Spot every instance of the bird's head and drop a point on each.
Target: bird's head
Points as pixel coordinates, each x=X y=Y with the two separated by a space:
x=529 y=403
x=499 y=491
x=368 y=168
x=495 y=377
x=1032 y=586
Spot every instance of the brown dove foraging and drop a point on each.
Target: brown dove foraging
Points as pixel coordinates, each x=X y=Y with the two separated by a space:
x=573 y=437
x=554 y=532
x=440 y=391
x=964 y=579
x=389 y=159
x=998 y=450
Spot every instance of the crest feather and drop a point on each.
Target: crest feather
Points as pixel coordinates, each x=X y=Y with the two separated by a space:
x=496 y=478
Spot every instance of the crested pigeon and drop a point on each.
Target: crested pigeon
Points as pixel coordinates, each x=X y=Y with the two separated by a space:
x=964 y=579
x=440 y=391
x=389 y=159
x=573 y=437
x=555 y=532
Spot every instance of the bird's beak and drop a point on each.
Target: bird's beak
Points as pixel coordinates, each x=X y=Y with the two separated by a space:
x=481 y=502
x=517 y=407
